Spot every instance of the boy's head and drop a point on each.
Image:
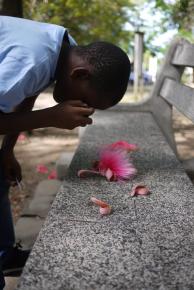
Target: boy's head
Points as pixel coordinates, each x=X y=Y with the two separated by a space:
x=97 y=74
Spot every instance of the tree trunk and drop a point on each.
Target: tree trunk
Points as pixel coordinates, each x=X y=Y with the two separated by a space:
x=11 y=8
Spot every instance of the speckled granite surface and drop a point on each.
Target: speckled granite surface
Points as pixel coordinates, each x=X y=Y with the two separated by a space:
x=147 y=242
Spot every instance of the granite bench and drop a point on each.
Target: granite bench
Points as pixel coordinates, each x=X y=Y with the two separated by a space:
x=147 y=242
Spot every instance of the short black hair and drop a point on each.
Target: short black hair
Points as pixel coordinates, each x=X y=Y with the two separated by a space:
x=111 y=67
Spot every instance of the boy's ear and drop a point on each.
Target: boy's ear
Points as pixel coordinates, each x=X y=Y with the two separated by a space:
x=80 y=73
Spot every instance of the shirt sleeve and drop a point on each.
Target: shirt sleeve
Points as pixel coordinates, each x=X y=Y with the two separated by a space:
x=19 y=79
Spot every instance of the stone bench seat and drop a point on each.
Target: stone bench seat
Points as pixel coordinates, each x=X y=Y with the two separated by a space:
x=146 y=243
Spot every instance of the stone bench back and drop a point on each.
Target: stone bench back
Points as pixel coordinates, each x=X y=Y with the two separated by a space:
x=169 y=92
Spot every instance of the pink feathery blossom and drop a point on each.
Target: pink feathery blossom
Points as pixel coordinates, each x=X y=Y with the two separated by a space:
x=42 y=169
x=52 y=175
x=113 y=164
x=123 y=145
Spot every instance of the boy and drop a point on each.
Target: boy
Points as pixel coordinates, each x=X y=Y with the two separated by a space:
x=32 y=56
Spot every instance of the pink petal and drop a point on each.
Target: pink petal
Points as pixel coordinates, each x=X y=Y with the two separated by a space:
x=139 y=189
x=109 y=174
x=41 y=168
x=129 y=147
x=53 y=175
x=105 y=210
x=21 y=137
x=85 y=172
x=99 y=202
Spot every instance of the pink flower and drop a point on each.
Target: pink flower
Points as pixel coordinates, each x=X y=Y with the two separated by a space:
x=52 y=175
x=105 y=208
x=113 y=164
x=139 y=189
x=123 y=145
x=42 y=169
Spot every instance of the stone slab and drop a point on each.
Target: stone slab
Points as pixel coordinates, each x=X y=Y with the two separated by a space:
x=147 y=242
x=27 y=230
x=42 y=199
x=47 y=187
x=63 y=163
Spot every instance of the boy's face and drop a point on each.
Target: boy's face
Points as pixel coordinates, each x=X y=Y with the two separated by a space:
x=74 y=84
x=80 y=89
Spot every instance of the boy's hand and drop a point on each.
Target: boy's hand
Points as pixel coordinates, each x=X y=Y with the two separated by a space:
x=71 y=114
x=11 y=168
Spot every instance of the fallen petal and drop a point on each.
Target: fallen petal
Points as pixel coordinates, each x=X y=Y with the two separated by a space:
x=42 y=169
x=53 y=175
x=99 y=202
x=139 y=189
x=129 y=147
x=109 y=174
x=21 y=137
x=105 y=210
x=85 y=172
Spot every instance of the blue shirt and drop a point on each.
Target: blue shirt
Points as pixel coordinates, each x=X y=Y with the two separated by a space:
x=29 y=51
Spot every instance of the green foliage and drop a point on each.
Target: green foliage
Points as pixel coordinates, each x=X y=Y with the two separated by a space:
x=87 y=20
x=181 y=13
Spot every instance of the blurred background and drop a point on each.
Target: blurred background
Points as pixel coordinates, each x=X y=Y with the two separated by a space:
x=121 y=22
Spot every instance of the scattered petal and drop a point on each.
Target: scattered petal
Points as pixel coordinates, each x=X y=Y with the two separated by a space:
x=129 y=147
x=53 y=175
x=42 y=169
x=85 y=172
x=105 y=208
x=21 y=137
x=139 y=189
x=109 y=174
x=99 y=202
